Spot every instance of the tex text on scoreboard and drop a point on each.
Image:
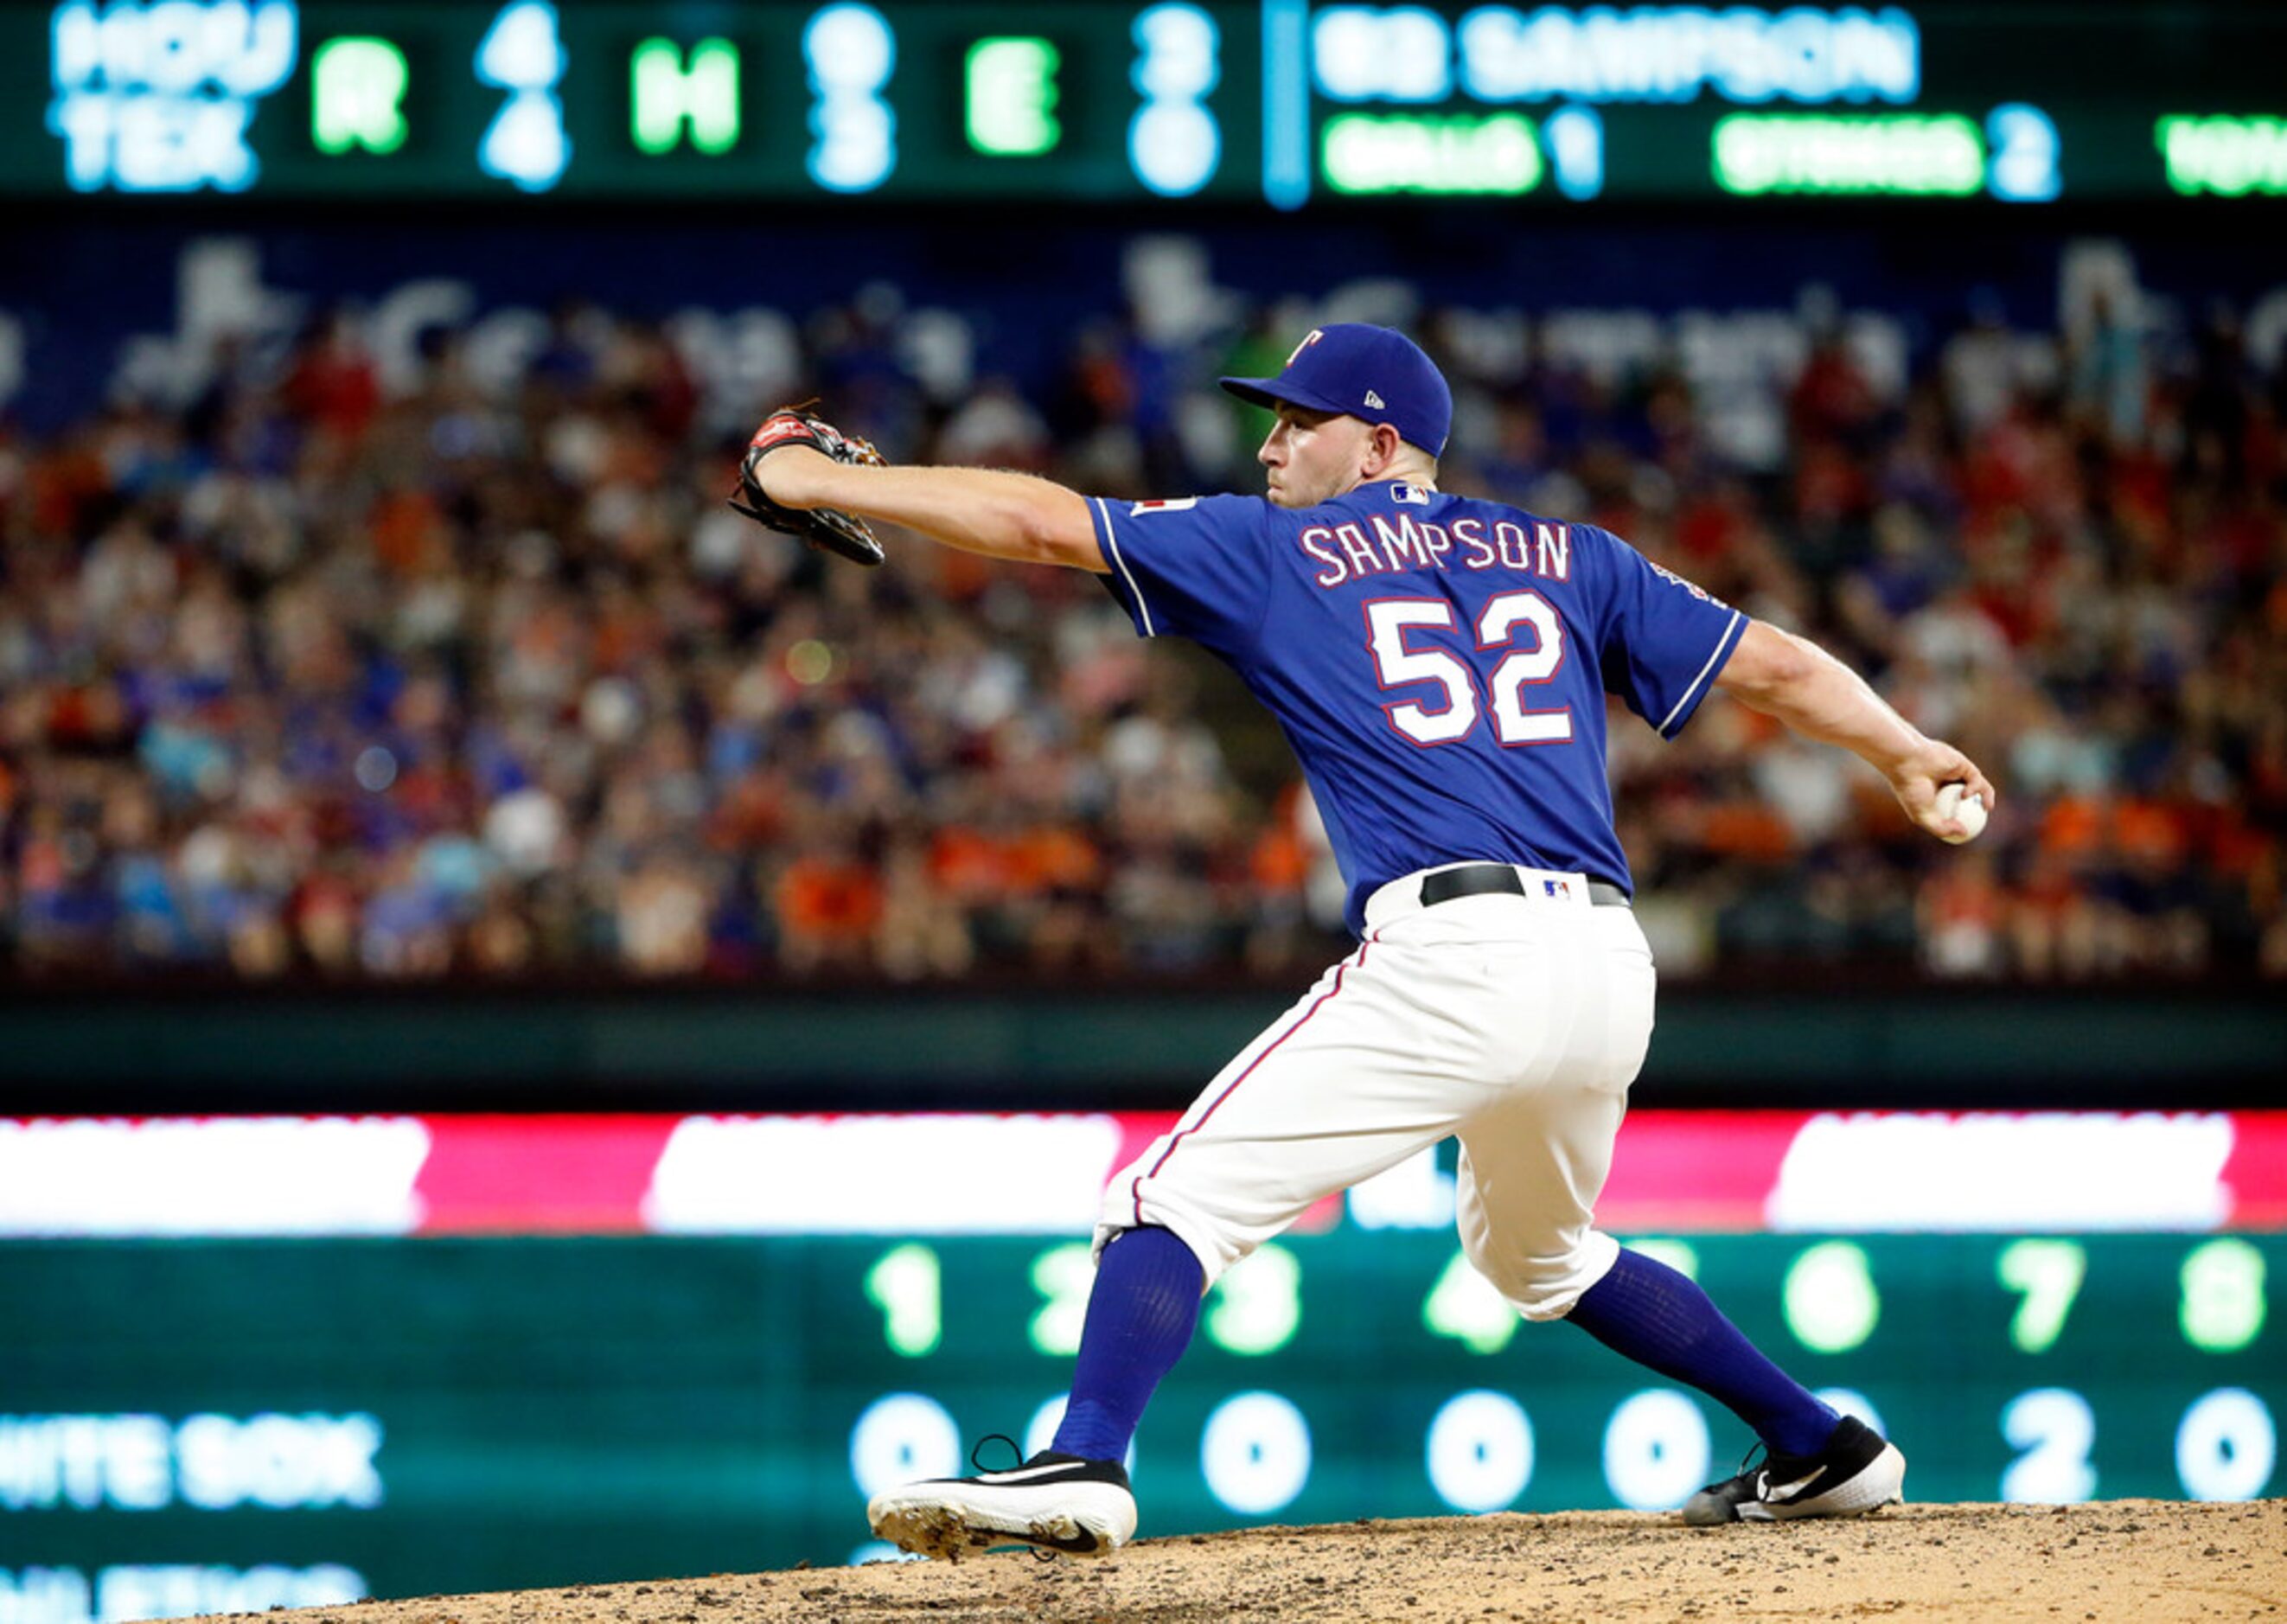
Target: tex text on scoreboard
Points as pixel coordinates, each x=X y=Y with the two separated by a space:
x=1283 y=101
x=313 y=98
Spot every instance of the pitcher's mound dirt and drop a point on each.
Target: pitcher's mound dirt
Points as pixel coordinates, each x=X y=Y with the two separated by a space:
x=2153 y=1562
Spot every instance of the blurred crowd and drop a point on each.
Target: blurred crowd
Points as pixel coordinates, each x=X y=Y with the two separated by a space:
x=464 y=673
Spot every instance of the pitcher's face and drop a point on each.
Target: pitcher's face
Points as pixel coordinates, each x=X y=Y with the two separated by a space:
x=1311 y=456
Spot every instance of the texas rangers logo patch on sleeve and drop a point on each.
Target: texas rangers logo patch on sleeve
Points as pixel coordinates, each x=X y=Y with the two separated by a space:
x=1169 y=504
x=1697 y=590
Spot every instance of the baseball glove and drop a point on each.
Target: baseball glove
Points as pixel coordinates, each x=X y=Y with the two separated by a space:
x=828 y=529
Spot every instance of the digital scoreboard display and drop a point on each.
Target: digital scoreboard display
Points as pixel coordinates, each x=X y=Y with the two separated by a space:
x=232 y=1424
x=249 y=1362
x=1285 y=102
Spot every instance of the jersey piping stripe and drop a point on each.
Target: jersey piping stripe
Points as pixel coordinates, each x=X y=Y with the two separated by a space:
x=1721 y=643
x=1136 y=1189
x=1111 y=542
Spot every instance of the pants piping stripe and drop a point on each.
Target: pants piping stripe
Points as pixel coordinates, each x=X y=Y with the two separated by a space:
x=1137 y=1187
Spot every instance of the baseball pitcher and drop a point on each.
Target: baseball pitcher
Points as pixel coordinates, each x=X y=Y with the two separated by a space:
x=1439 y=664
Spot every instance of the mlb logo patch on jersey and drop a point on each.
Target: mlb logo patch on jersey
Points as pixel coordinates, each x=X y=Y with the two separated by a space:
x=1414 y=494
x=1170 y=504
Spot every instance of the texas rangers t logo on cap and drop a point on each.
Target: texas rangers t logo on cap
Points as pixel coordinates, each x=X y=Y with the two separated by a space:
x=1351 y=369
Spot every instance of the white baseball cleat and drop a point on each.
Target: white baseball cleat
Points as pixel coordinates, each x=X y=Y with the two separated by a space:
x=1057 y=1502
x=1856 y=1472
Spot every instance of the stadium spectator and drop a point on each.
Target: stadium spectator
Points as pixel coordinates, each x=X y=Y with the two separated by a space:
x=344 y=675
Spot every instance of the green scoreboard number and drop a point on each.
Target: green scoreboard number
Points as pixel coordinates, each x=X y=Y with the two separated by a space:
x=208 y=1425
x=1282 y=101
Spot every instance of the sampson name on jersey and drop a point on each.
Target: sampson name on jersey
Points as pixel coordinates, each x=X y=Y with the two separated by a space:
x=1397 y=620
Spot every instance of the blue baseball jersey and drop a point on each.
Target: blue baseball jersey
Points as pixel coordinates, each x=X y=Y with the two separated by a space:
x=1438 y=663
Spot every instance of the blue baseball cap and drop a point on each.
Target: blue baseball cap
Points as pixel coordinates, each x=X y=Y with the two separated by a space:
x=1373 y=373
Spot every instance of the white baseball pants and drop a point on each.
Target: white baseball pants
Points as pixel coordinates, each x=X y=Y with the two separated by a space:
x=1516 y=1022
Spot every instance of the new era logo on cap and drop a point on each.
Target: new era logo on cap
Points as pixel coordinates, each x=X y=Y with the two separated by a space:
x=1328 y=372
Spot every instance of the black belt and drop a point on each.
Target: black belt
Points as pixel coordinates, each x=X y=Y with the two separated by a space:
x=1485 y=879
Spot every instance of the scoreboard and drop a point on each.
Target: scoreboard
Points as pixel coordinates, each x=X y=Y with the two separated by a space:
x=227 y=1425
x=1287 y=102
x=249 y=1362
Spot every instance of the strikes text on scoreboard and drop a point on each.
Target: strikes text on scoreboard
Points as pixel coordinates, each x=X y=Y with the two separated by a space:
x=1278 y=100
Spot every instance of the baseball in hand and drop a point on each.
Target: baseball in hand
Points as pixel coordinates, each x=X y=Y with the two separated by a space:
x=1955 y=802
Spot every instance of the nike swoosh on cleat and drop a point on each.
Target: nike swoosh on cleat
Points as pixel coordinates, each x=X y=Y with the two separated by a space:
x=1023 y=1474
x=1784 y=1491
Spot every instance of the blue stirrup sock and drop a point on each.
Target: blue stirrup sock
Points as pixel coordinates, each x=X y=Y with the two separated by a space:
x=1658 y=1317
x=1141 y=1314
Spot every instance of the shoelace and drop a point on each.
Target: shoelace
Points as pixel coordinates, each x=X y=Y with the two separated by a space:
x=976 y=1453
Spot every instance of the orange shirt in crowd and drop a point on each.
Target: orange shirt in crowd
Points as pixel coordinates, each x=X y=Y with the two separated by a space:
x=829 y=900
